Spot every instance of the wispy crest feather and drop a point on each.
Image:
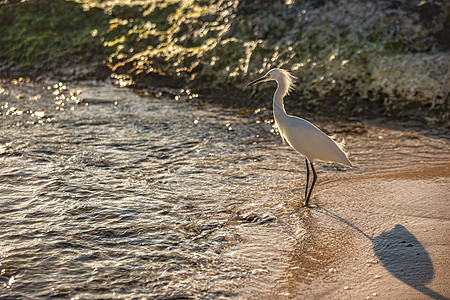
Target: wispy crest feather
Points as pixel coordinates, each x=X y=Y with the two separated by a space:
x=289 y=80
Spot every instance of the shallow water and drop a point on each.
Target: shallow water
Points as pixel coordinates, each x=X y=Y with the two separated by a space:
x=109 y=193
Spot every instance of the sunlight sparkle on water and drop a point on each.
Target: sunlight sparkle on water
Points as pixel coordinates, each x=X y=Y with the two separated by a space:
x=10 y=282
x=185 y=198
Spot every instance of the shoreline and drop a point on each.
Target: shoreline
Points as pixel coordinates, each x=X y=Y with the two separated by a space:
x=175 y=88
x=381 y=249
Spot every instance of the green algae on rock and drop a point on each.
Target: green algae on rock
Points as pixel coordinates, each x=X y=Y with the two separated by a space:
x=39 y=35
x=358 y=57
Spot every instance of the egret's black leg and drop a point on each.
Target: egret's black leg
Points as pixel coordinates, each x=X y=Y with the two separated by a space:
x=312 y=185
x=307 y=177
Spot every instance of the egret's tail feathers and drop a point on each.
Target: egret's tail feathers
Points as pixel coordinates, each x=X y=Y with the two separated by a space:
x=348 y=163
x=341 y=143
x=343 y=160
x=343 y=157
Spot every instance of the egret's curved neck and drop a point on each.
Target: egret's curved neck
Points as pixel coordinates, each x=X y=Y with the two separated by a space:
x=278 y=105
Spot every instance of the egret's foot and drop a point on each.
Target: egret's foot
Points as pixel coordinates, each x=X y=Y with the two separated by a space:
x=307 y=204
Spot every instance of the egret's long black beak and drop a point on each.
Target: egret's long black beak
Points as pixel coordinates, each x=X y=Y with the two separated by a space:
x=256 y=81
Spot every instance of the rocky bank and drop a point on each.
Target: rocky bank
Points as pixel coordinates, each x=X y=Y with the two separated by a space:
x=355 y=58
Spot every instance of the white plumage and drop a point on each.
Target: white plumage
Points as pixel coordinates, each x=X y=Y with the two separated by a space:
x=302 y=135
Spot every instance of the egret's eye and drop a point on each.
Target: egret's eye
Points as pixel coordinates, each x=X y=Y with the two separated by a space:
x=267 y=76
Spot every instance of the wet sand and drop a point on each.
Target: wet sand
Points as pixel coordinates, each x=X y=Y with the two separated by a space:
x=383 y=236
x=407 y=233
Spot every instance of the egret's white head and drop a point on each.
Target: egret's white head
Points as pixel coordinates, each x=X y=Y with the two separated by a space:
x=282 y=77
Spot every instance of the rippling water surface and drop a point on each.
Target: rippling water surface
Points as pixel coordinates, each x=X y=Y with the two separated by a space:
x=109 y=193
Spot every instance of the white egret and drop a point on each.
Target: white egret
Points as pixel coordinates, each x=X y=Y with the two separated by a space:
x=300 y=134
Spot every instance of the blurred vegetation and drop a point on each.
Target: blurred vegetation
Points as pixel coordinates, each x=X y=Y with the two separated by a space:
x=358 y=57
x=36 y=31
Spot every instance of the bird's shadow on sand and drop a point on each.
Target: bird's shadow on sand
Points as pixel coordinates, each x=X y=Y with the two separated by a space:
x=401 y=254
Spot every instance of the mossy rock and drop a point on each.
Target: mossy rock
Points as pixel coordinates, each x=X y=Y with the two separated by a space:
x=49 y=30
x=357 y=56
